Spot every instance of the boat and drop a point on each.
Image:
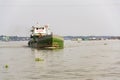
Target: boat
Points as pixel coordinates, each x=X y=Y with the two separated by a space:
x=42 y=37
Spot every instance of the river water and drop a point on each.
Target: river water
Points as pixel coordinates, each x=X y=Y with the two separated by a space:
x=85 y=60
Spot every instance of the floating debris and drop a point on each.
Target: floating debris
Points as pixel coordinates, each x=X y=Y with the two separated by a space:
x=105 y=43
x=6 y=66
x=39 y=59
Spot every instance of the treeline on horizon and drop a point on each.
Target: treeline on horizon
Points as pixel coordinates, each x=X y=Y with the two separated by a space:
x=18 y=38
x=92 y=37
x=13 y=38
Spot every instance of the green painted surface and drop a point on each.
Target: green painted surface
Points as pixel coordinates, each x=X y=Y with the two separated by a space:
x=58 y=42
x=47 y=42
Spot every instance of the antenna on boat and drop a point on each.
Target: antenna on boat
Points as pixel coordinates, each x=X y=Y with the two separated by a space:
x=37 y=23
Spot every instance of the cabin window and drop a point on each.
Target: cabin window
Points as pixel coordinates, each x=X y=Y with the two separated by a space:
x=36 y=28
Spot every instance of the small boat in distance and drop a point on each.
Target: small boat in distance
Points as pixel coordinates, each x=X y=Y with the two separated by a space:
x=42 y=37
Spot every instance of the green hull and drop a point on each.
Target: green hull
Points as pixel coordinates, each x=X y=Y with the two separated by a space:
x=49 y=41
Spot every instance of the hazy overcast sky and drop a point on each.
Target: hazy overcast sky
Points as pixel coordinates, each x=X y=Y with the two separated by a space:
x=65 y=17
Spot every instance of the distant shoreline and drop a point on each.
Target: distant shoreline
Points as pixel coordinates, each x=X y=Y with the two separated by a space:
x=17 y=38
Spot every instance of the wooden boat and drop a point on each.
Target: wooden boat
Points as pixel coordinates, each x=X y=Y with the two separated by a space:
x=42 y=37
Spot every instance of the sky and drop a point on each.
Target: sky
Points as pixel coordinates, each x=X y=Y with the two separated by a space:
x=65 y=17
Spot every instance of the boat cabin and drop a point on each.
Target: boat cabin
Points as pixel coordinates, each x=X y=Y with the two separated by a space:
x=38 y=30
